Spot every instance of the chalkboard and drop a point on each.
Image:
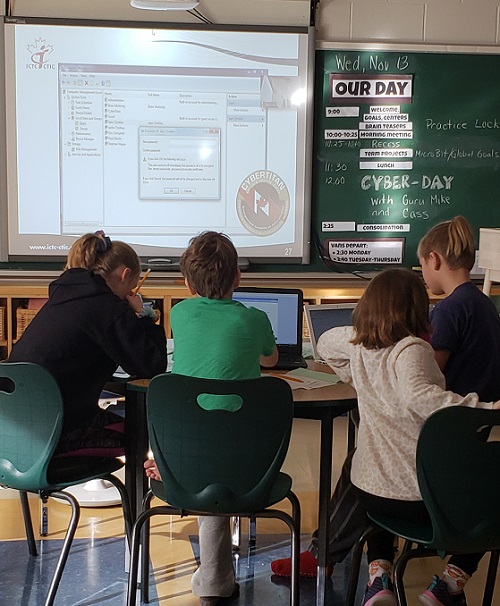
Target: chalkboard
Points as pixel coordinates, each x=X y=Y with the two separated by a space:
x=403 y=140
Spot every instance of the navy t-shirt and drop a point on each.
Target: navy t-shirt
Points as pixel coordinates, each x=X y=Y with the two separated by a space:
x=467 y=324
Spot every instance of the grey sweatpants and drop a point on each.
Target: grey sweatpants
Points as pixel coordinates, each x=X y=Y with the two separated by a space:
x=215 y=575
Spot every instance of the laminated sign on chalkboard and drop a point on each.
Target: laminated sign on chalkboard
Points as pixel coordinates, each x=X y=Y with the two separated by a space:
x=402 y=142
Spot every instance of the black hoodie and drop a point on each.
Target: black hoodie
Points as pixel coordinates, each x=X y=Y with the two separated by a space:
x=81 y=335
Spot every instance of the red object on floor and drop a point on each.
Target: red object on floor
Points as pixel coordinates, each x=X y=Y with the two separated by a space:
x=308 y=566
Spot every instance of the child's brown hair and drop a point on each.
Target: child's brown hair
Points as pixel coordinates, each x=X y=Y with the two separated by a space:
x=99 y=254
x=210 y=264
x=453 y=240
x=395 y=305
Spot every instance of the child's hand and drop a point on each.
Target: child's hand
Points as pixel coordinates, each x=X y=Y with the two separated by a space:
x=496 y=405
x=151 y=470
x=135 y=303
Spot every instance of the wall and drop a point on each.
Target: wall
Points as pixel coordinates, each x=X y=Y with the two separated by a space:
x=432 y=22
x=413 y=24
x=467 y=22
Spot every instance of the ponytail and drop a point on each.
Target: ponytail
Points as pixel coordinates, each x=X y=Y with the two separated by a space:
x=453 y=240
x=96 y=252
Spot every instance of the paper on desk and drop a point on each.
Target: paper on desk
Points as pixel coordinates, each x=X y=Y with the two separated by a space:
x=109 y=398
x=303 y=378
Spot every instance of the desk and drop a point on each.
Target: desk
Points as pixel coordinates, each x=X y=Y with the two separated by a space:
x=323 y=404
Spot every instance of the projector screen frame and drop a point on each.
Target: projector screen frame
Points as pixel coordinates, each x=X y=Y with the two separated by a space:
x=304 y=185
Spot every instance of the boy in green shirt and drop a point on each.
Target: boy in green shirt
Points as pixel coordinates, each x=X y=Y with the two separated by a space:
x=216 y=338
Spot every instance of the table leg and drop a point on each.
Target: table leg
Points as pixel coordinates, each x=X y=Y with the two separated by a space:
x=136 y=449
x=325 y=487
x=351 y=429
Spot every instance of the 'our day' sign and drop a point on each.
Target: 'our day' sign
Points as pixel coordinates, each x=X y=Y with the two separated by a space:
x=370 y=88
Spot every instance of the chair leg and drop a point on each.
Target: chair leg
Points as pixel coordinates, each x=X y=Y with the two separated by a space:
x=146 y=503
x=295 y=597
x=490 y=578
x=293 y=523
x=127 y=512
x=30 y=536
x=357 y=555
x=252 y=531
x=134 y=551
x=400 y=567
x=44 y=516
x=68 y=540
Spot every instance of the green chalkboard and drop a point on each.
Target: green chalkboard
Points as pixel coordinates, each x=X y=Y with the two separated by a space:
x=403 y=140
x=440 y=111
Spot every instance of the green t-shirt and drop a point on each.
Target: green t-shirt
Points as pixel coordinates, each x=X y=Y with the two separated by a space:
x=219 y=338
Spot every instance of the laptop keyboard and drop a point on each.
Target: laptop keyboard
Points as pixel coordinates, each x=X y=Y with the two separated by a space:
x=289 y=361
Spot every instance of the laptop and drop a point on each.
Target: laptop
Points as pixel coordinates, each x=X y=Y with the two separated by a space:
x=284 y=308
x=321 y=318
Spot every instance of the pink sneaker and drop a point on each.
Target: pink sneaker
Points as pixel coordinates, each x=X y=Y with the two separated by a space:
x=379 y=593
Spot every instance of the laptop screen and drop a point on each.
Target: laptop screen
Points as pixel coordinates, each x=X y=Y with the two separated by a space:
x=321 y=318
x=283 y=308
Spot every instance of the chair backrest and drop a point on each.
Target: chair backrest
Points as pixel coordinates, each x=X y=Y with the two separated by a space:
x=222 y=460
x=31 y=416
x=459 y=478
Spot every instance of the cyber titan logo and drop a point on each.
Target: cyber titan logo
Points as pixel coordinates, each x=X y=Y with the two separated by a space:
x=263 y=203
x=40 y=52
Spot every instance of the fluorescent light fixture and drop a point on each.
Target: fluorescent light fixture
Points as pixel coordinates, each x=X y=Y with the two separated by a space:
x=164 y=5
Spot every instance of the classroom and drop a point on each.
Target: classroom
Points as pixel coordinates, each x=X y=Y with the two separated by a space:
x=397 y=130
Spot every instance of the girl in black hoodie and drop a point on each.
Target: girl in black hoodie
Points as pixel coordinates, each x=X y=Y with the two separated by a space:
x=91 y=324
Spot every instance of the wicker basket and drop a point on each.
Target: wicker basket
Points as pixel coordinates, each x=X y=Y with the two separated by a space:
x=2 y=324
x=23 y=318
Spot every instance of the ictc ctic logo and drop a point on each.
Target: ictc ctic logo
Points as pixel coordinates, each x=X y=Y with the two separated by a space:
x=40 y=51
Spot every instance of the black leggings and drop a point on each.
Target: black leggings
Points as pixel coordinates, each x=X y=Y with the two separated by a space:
x=381 y=543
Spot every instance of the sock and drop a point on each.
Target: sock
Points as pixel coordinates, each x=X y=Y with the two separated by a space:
x=455 y=578
x=377 y=568
x=308 y=566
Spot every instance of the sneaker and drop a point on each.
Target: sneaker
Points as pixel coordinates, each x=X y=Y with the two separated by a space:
x=379 y=592
x=308 y=566
x=437 y=594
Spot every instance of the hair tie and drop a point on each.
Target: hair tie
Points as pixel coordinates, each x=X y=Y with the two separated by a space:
x=104 y=242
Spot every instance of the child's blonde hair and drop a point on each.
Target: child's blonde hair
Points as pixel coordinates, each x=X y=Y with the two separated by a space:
x=394 y=305
x=96 y=252
x=453 y=240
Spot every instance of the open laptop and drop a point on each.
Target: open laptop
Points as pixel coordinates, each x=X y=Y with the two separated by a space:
x=321 y=318
x=284 y=308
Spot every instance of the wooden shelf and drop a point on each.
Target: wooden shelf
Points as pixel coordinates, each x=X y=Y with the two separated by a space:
x=168 y=288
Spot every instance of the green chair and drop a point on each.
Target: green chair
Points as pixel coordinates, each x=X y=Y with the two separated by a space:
x=31 y=417
x=218 y=462
x=458 y=475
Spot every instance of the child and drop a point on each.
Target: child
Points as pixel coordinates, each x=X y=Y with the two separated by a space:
x=466 y=340
x=216 y=338
x=91 y=324
x=466 y=325
x=399 y=385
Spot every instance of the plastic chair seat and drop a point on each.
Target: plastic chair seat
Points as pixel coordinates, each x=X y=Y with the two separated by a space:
x=31 y=419
x=217 y=461
x=411 y=531
x=457 y=471
x=68 y=471
x=279 y=491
